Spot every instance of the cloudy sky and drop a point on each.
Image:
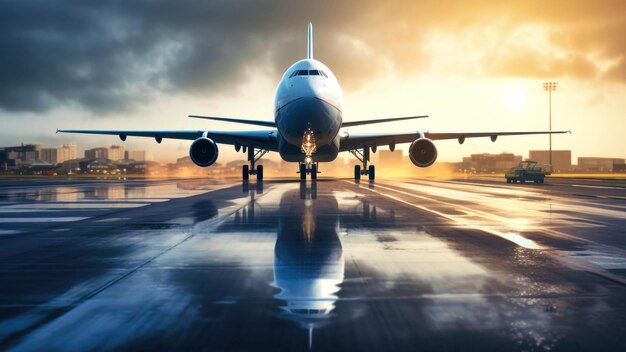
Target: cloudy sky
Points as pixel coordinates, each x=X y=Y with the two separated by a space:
x=471 y=65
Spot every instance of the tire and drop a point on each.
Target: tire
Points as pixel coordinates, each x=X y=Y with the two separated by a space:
x=302 y=171
x=245 y=172
x=313 y=172
x=508 y=180
x=371 y=172
x=259 y=172
x=357 y=172
x=522 y=181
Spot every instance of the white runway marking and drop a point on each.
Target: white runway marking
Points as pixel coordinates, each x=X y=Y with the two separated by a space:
x=35 y=220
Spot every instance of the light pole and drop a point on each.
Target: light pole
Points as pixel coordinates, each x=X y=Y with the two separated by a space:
x=550 y=86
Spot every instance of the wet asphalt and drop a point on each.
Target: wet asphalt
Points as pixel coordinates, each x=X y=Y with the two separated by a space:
x=334 y=265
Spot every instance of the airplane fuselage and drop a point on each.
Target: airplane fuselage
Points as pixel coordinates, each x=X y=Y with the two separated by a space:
x=308 y=98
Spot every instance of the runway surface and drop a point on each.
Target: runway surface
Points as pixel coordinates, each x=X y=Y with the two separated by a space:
x=465 y=264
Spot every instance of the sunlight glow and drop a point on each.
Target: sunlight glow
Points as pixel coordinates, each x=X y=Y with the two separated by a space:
x=515 y=98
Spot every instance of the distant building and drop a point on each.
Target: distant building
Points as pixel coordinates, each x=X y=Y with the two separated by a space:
x=620 y=168
x=72 y=165
x=139 y=155
x=589 y=164
x=561 y=159
x=116 y=152
x=67 y=152
x=50 y=155
x=97 y=166
x=97 y=153
x=491 y=162
x=58 y=155
x=25 y=153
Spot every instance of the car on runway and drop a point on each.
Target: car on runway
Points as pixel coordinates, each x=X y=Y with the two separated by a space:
x=526 y=171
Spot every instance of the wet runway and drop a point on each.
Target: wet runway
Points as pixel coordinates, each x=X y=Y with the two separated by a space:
x=466 y=264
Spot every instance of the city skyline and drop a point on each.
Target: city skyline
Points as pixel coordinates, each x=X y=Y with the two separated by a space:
x=563 y=161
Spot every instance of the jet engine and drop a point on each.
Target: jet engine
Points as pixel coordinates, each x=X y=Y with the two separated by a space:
x=423 y=152
x=203 y=152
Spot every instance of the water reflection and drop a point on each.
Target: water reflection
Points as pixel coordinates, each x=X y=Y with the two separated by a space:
x=308 y=257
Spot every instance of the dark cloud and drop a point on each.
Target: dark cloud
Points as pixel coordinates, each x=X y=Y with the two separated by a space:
x=109 y=56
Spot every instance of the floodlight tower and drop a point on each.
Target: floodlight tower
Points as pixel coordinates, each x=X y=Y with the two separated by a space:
x=550 y=86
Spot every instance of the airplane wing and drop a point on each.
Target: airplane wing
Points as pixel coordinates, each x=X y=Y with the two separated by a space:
x=273 y=124
x=369 y=122
x=244 y=121
x=266 y=139
x=359 y=140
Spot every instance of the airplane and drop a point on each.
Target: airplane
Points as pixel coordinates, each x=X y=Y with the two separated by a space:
x=308 y=128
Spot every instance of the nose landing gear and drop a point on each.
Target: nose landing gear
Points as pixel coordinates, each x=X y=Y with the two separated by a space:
x=364 y=157
x=310 y=169
x=308 y=148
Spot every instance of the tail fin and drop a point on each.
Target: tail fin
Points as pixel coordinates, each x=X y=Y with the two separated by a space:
x=309 y=48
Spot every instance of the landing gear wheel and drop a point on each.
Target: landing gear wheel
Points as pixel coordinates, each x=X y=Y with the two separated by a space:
x=372 y=172
x=357 y=172
x=259 y=172
x=313 y=172
x=245 y=172
x=302 y=171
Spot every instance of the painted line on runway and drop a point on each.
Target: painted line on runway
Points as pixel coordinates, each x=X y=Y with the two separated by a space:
x=601 y=187
x=509 y=236
x=39 y=220
x=507 y=218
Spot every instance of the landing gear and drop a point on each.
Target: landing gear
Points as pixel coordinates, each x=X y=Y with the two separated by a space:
x=308 y=147
x=246 y=172
x=364 y=157
x=253 y=157
x=302 y=171
x=306 y=169
x=371 y=172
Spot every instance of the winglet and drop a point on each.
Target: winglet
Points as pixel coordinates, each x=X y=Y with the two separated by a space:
x=309 y=47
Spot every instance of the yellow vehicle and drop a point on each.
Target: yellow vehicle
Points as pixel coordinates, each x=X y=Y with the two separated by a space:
x=526 y=171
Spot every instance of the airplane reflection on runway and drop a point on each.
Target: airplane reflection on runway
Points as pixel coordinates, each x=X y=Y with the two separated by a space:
x=308 y=257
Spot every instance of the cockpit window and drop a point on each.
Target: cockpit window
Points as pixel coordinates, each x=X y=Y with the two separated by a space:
x=308 y=73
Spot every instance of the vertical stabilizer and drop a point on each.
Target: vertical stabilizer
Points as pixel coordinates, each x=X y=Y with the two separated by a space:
x=309 y=47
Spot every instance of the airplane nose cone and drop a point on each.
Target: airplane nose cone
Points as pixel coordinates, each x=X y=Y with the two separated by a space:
x=313 y=113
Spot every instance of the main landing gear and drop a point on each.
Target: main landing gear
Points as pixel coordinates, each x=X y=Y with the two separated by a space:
x=253 y=157
x=364 y=157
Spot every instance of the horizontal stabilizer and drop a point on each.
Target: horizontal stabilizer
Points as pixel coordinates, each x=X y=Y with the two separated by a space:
x=369 y=122
x=243 y=121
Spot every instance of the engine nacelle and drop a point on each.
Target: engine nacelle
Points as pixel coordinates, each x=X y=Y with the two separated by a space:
x=423 y=152
x=203 y=152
